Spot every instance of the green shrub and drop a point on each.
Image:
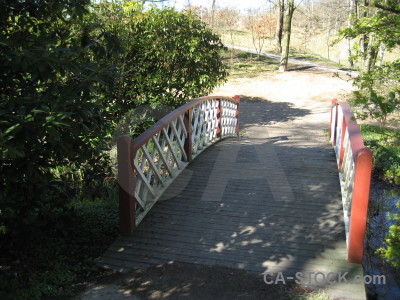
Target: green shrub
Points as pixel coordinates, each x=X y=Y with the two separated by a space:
x=245 y=55
x=164 y=57
x=49 y=115
x=54 y=263
x=385 y=146
x=391 y=249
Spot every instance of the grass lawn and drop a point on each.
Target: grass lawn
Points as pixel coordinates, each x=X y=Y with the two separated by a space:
x=247 y=64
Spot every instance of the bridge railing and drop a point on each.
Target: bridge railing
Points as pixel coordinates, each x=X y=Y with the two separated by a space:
x=354 y=162
x=148 y=164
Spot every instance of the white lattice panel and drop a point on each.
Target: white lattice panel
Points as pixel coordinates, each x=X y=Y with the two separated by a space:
x=157 y=163
x=159 y=160
x=228 y=118
x=204 y=125
x=339 y=133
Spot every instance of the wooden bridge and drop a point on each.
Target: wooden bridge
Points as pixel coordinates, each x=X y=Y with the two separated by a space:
x=268 y=199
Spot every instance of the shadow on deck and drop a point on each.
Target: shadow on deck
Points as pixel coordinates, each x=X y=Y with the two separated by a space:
x=268 y=201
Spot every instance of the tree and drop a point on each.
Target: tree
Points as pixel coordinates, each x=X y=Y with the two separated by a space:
x=279 y=25
x=289 y=8
x=378 y=87
x=163 y=57
x=213 y=8
x=258 y=26
x=50 y=116
x=177 y=58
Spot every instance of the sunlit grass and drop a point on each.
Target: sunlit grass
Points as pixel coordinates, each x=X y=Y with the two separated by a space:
x=247 y=64
x=316 y=48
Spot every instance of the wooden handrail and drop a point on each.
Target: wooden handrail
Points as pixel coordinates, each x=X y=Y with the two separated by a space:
x=150 y=132
x=149 y=164
x=354 y=165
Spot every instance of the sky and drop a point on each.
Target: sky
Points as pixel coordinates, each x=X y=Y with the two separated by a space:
x=242 y=5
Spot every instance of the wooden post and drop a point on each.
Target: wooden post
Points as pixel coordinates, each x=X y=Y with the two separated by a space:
x=333 y=122
x=237 y=98
x=188 y=140
x=126 y=183
x=219 y=119
x=359 y=206
x=341 y=150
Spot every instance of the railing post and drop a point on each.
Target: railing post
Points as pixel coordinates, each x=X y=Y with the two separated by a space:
x=126 y=184
x=333 y=123
x=359 y=206
x=219 y=119
x=188 y=140
x=237 y=98
x=341 y=150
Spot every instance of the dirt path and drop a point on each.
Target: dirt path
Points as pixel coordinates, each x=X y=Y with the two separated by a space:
x=299 y=86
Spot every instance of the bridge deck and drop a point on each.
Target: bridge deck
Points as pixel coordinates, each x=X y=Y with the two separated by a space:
x=267 y=201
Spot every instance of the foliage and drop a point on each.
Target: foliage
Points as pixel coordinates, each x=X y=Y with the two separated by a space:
x=378 y=93
x=49 y=114
x=385 y=146
x=176 y=57
x=261 y=27
x=377 y=28
x=53 y=264
x=378 y=86
x=391 y=251
x=70 y=71
x=163 y=56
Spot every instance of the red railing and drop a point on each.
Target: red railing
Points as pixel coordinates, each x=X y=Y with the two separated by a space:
x=149 y=164
x=354 y=162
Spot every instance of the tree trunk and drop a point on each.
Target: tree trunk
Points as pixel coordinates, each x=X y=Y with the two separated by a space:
x=364 y=38
x=287 y=30
x=352 y=13
x=279 y=25
x=381 y=54
x=372 y=53
x=328 y=37
x=212 y=13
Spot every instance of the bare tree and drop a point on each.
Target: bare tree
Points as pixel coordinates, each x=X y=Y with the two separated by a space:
x=279 y=25
x=349 y=25
x=261 y=27
x=212 y=13
x=286 y=32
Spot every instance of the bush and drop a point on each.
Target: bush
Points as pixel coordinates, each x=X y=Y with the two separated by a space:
x=68 y=76
x=54 y=263
x=391 y=249
x=164 y=57
x=378 y=93
x=385 y=146
x=48 y=111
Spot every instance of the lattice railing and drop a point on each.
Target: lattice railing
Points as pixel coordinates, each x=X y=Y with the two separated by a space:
x=354 y=164
x=149 y=164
